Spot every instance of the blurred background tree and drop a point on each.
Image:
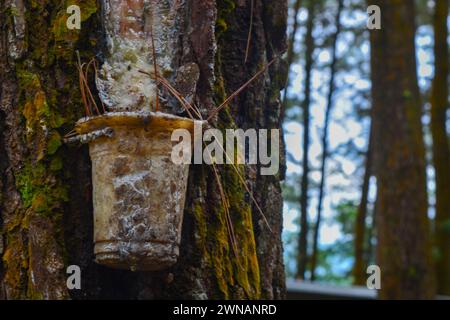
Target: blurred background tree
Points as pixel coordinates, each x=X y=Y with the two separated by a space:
x=342 y=193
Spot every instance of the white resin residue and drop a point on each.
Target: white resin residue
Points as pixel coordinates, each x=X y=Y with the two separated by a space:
x=129 y=25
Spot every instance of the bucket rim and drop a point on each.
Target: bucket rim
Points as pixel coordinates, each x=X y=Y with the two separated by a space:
x=156 y=120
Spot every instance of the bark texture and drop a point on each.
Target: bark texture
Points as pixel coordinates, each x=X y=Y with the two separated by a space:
x=404 y=252
x=441 y=151
x=46 y=190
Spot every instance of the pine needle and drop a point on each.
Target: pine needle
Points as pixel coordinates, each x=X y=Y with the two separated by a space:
x=155 y=66
x=82 y=91
x=226 y=207
x=187 y=106
x=87 y=97
x=242 y=180
x=86 y=77
x=250 y=28
x=96 y=77
x=238 y=91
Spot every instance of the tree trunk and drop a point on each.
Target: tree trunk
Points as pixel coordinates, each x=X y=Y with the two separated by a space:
x=291 y=51
x=302 y=259
x=404 y=252
x=360 y=265
x=441 y=152
x=46 y=190
x=331 y=86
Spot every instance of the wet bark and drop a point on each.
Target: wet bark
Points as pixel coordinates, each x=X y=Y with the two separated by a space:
x=441 y=151
x=46 y=190
x=404 y=251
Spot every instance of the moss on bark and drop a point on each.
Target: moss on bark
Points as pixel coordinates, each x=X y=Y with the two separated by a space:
x=48 y=103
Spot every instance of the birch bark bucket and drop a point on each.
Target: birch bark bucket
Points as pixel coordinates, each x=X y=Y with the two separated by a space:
x=138 y=192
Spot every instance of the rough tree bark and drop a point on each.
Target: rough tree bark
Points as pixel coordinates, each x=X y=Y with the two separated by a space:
x=441 y=150
x=404 y=251
x=46 y=192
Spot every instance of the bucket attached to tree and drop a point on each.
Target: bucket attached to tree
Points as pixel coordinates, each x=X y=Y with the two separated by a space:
x=138 y=192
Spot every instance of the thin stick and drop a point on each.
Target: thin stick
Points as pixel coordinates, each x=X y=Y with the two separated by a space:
x=250 y=28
